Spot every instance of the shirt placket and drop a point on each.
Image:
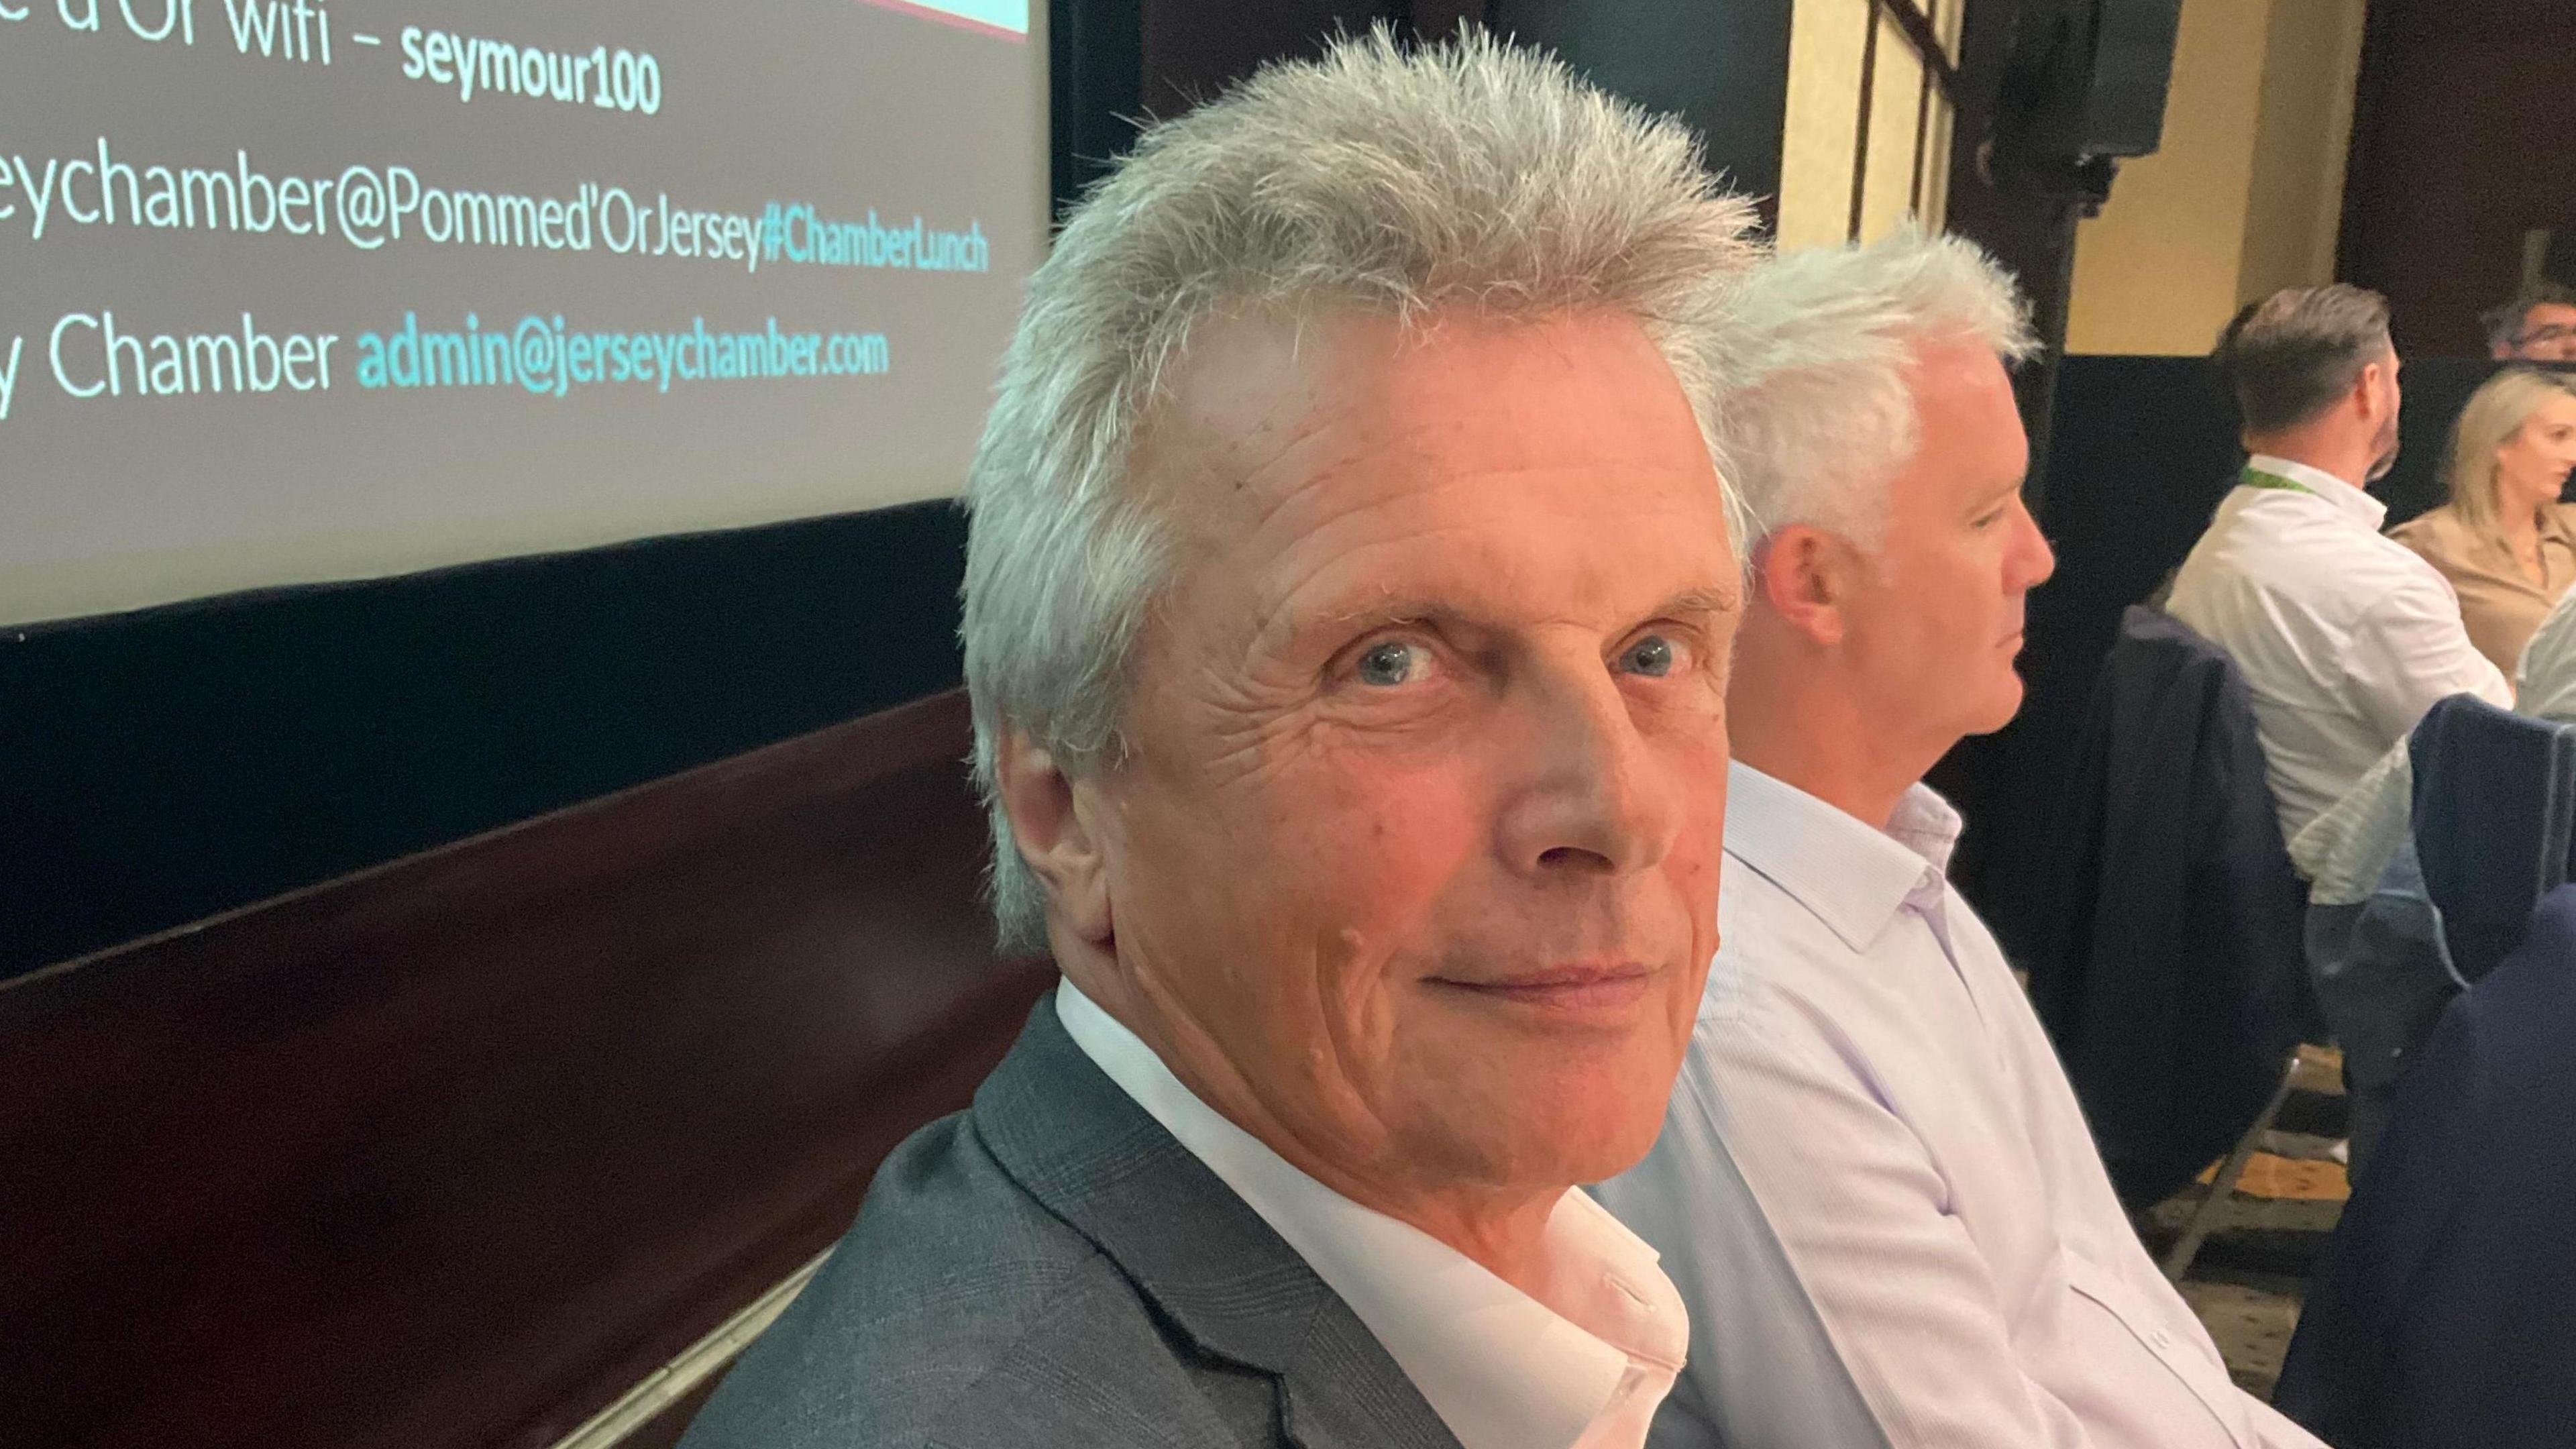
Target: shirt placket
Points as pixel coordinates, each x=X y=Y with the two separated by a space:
x=1929 y=901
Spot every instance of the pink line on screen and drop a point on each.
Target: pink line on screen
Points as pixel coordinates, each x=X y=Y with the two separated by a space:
x=925 y=12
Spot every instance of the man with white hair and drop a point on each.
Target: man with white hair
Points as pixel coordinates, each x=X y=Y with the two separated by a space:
x=1347 y=609
x=1873 y=1186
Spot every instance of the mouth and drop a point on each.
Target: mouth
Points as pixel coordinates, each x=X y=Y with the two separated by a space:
x=1577 y=990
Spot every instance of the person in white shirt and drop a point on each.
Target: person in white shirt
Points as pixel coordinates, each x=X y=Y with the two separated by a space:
x=1874 y=1187
x=1348 y=599
x=2344 y=637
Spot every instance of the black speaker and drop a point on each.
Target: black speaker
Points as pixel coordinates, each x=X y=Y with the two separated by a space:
x=2087 y=79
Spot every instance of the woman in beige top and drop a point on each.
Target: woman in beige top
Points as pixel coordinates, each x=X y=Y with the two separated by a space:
x=2505 y=542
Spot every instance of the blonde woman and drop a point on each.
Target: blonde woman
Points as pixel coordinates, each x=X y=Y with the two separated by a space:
x=2505 y=542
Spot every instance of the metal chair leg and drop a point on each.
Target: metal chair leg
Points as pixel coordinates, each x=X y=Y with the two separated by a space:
x=2204 y=1218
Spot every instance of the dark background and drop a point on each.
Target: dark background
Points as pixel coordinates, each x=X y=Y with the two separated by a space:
x=164 y=765
x=2460 y=143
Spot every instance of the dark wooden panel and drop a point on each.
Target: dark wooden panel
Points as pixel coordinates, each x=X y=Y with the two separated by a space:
x=160 y=766
x=2459 y=145
x=453 y=1151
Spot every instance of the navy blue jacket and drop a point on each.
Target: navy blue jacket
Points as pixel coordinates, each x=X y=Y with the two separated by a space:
x=2444 y=1313
x=2163 y=931
x=2495 y=804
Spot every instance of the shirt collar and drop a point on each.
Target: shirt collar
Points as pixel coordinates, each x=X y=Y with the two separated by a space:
x=1503 y=1370
x=1852 y=877
x=2348 y=501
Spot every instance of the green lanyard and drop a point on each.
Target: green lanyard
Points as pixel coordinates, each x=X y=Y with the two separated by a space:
x=2254 y=477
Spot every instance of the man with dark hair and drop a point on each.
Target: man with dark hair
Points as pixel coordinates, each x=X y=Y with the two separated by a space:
x=2538 y=325
x=2344 y=636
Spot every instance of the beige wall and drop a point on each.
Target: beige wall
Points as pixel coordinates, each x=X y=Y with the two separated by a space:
x=2246 y=192
x=1820 y=133
x=2297 y=201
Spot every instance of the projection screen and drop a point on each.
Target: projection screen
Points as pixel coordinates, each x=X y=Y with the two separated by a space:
x=302 y=290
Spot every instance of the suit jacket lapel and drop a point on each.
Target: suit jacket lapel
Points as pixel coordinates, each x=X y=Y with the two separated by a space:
x=1336 y=1395
x=1096 y=1159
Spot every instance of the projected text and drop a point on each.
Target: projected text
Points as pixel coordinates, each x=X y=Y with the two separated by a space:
x=383 y=275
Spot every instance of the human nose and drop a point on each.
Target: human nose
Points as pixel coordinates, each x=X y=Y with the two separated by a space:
x=2034 y=559
x=1595 y=798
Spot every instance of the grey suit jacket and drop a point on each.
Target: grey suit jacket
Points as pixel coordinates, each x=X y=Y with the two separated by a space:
x=1051 y=1268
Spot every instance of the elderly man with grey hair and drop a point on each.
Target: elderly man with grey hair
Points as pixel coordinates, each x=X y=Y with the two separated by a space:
x=2344 y=637
x=1348 y=604
x=1874 y=1186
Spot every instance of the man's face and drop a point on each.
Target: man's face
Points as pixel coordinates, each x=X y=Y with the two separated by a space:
x=1412 y=866
x=1935 y=620
x=2548 y=333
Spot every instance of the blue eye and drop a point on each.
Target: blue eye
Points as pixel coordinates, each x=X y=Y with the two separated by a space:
x=1387 y=664
x=1651 y=656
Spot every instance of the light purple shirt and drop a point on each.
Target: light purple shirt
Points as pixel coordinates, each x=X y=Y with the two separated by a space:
x=1875 y=1190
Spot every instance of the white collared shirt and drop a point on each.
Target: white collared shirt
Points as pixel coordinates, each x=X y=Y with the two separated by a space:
x=2345 y=638
x=1583 y=1370
x=1875 y=1188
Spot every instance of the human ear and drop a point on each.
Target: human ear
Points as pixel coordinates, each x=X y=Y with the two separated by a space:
x=1802 y=575
x=1054 y=819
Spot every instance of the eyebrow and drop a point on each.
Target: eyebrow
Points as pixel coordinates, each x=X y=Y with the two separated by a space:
x=1704 y=602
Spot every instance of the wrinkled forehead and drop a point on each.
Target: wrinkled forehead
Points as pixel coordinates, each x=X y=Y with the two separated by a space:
x=1547 y=442
x=1259 y=396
